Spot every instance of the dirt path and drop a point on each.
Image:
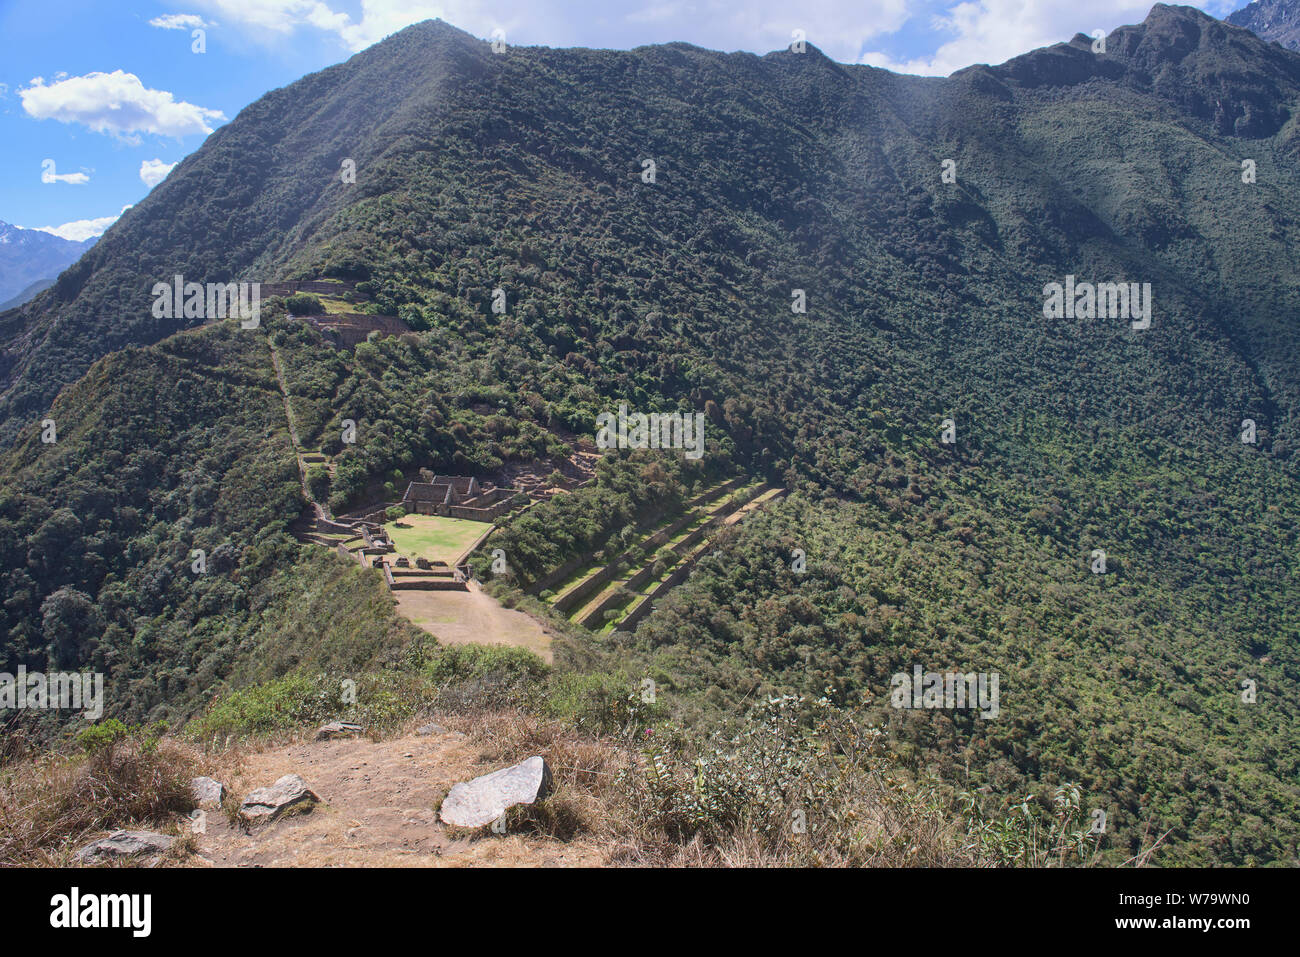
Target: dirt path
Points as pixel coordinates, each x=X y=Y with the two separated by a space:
x=459 y=617
x=380 y=810
x=320 y=510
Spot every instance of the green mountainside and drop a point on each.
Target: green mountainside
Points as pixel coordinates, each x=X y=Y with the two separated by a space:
x=524 y=171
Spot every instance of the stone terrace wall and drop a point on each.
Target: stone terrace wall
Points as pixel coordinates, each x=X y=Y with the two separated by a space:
x=313 y=286
x=573 y=564
x=348 y=329
x=489 y=514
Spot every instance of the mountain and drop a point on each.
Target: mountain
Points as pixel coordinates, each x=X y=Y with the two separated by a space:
x=1277 y=21
x=27 y=294
x=1107 y=533
x=30 y=256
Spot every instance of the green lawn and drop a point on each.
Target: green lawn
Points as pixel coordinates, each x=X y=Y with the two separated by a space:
x=333 y=305
x=433 y=537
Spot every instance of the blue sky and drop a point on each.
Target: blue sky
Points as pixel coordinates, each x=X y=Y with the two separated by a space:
x=99 y=99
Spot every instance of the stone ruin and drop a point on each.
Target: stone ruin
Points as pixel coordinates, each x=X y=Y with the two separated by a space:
x=457 y=496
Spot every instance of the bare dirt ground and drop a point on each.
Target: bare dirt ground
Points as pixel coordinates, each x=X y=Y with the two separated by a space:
x=460 y=617
x=379 y=809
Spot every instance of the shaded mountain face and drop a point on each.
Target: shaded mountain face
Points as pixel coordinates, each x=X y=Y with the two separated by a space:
x=29 y=257
x=829 y=261
x=1277 y=21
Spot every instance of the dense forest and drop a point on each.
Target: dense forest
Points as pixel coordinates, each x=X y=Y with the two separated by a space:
x=776 y=180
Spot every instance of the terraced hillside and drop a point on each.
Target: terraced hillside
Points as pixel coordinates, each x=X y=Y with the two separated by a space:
x=605 y=593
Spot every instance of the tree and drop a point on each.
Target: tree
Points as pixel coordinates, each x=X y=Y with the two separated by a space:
x=69 y=620
x=318 y=481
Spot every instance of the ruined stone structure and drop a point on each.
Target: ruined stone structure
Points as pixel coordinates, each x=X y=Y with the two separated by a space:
x=458 y=496
x=346 y=330
x=318 y=287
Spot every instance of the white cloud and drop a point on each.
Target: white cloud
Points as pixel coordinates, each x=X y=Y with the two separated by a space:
x=994 y=31
x=49 y=175
x=80 y=229
x=1221 y=8
x=154 y=171
x=179 y=21
x=380 y=18
x=281 y=16
x=116 y=103
x=840 y=29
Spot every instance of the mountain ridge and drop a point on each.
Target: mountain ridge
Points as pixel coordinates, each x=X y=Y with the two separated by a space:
x=1277 y=21
x=468 y=59
x=31 y=256
x=525 y=172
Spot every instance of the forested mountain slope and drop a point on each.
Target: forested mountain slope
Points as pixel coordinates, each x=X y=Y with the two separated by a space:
x=524 y=171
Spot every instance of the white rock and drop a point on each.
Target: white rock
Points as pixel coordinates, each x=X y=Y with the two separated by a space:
x=486 y=798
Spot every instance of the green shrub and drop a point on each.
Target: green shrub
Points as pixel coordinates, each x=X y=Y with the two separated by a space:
x=603 y=703
x=455 y=663
x=304 y=304
x=1029 y=834
x=792 y=794
x=377 y=701
x=318 y=482
x=101 y=736
x=277 y=705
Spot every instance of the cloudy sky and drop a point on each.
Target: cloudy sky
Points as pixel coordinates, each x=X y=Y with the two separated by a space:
x=99 y=100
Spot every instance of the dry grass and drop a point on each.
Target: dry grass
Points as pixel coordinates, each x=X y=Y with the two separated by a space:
x=616 y=799
x=584 y=797
x=51 y=803
x=864 y=818
x=886 y=836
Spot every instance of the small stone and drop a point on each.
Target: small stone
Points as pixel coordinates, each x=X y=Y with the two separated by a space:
x=207 y=792
x=126 y=844
x=338 y=729
x=288 y=793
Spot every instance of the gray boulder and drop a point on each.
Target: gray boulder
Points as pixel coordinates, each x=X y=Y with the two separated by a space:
x=208 y=792
x=288 y=793
x=126 y=844
x=484 y=799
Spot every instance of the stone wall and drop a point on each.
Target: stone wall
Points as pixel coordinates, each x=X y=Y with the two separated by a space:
x=314 y=286
x=467 y=500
